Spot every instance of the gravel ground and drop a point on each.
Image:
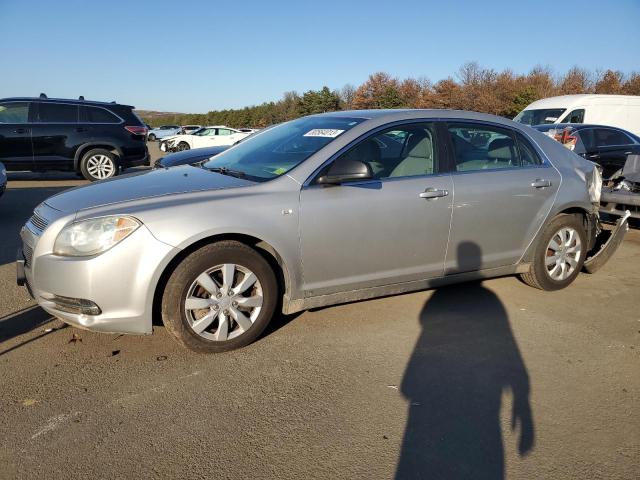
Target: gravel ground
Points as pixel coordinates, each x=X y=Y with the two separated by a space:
x=479 y=380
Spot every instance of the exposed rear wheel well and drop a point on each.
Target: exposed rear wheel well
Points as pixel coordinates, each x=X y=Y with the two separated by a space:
x=265 y=249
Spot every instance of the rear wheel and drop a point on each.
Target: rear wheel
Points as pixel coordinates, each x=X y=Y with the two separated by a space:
x=559 y=255
x=221 y=297
x=99 y=164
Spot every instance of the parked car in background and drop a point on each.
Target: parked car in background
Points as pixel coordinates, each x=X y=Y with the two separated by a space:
x=187 y=129
x=606 y=146
x=217 y=135
x=162 y=132
x=3 y=179
x=187 y=157
x=621 y=111
x=96 y=139
x=313 y=212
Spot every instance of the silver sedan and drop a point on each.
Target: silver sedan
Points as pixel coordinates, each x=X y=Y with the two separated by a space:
x=317 y=211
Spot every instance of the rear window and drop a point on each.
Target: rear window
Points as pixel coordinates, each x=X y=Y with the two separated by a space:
x=539 y=116
x=57 y=113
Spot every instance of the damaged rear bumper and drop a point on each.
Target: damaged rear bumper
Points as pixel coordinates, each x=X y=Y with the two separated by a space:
x=606 y=245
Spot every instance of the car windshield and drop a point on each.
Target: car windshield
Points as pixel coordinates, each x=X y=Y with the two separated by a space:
x=539 y=116
x=277 y=150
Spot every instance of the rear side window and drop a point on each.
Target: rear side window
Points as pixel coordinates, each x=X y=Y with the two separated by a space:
x=14 y=112
x=97 y=115
x=224 y=131
x=479 y=147
x=605 y=137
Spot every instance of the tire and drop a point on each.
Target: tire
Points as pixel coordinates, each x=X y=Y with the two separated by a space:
x=99 y=164
x=541 y=275
x=151 y=137
x=216 y=326
x=182 y=146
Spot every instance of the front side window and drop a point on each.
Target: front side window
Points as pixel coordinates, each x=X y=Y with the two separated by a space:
x=404 y=151
x=575 y=116
x=605 y=137
x=57 y=113
x=14 y=112
x=278 y=149
x=477 y=147
x=539 y=116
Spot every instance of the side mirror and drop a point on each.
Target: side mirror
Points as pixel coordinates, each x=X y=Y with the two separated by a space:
x=345 y=171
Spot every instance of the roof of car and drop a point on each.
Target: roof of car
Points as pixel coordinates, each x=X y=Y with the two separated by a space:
x=409 y=113
x=62 y=100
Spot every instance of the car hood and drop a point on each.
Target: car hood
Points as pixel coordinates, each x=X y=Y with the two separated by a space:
x=173 y=137
x=139 y=185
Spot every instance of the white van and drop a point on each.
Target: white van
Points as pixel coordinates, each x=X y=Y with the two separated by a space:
x=613 y=110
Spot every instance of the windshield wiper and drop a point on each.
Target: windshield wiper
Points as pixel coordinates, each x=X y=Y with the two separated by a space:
x=227 y=171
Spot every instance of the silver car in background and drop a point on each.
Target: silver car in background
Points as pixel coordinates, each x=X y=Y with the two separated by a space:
x=317 y=211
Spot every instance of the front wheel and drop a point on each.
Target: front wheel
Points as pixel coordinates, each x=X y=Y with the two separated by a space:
x=221 y=297
x=98 y=164
x=559 y=255
x=182 y=146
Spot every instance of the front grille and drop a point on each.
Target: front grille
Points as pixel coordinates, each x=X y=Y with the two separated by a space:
x=27 y=251
x=38 y=222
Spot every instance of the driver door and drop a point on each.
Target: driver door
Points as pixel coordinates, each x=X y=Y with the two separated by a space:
x=389 y=229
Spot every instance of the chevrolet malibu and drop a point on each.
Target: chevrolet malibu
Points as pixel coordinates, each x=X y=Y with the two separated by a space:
x=317 y=211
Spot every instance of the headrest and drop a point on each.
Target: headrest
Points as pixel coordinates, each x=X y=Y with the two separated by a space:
x=502 y=149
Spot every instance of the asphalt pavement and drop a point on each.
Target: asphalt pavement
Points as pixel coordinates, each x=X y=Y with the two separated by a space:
x=488 y=379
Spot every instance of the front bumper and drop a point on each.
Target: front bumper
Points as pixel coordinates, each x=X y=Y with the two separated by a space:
x=121 y=281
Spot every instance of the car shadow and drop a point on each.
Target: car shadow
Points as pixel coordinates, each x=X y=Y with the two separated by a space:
x=21 y=322
x=464 y=361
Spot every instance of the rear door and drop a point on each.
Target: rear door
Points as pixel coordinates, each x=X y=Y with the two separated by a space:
x=16 y=151
x=390 y=229
x=56 y=135
x=503 y=191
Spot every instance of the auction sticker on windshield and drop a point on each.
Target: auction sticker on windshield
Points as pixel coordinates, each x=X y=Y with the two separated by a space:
x=323 y=132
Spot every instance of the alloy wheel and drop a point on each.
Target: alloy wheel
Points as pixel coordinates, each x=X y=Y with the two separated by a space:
x=223 y=303
x=100 y=166
x=563 y=253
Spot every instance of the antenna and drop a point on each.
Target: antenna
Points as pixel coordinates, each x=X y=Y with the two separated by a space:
x=43 y=95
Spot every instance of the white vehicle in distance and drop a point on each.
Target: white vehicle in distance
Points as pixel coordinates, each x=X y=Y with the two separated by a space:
x=212 y=136
x=621 y=111
x=162 y=131
x=188 y=129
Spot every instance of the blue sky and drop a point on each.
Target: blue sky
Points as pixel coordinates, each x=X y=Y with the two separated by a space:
x=197 y=56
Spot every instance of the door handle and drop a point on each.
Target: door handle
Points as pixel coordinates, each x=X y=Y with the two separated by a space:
x=21 y=130
x=540 y=183
x=433 y=193
x=593 y=155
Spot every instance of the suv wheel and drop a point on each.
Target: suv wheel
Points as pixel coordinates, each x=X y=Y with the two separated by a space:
x=182 y=146
x=99 y=164
x=219 y=298
x=559 y=255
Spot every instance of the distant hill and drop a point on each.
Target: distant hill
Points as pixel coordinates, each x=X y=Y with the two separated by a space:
x=153 y=113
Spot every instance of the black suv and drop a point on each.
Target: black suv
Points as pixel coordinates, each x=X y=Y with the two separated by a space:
x=96 y=139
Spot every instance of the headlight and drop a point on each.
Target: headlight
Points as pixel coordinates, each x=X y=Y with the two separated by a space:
x=94 y=236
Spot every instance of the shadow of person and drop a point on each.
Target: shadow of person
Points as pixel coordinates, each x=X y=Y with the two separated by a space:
x=464 y=360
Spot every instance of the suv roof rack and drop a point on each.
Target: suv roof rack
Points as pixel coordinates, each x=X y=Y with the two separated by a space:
x=43 y=95
x=81 y=97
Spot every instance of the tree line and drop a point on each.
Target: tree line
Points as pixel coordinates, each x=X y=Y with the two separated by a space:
x=473 y=88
